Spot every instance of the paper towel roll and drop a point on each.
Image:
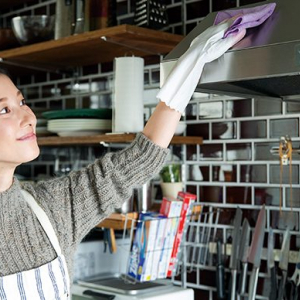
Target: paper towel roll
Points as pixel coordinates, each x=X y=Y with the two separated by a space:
x=128 y=107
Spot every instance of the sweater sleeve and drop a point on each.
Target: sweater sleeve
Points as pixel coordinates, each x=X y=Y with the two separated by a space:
x=77 y=202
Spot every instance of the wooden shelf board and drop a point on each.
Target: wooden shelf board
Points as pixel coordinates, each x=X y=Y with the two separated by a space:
x=109 y=138
x=117 y=221
x=92 y=47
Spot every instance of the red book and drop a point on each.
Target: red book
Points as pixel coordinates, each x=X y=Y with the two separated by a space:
x=187 y=199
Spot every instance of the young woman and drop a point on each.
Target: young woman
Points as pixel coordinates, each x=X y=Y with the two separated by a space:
x=41 y=224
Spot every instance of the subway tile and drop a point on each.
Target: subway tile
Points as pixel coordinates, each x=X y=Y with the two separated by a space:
x=287 y=176
x=253 y=173
x=239 y=151
x=239 y=108
x=263 y=107
x=224 y=130
x=283 y=127
x=253 y=129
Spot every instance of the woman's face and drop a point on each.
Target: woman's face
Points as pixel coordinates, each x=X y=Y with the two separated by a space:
x=18 y=142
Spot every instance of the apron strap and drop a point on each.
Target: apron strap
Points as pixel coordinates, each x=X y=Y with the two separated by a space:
x=44 y=221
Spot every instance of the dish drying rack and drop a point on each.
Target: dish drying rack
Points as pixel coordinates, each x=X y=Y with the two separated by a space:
x=195 y=265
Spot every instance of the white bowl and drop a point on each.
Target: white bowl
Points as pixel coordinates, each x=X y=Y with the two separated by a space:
x=180 y=128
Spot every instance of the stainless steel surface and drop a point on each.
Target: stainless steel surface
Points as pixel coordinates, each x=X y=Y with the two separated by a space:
x=144 y=197
x=245 y=238
x=258 y=239
x=253 y=283
x=235 y=251
x=255 y=251
x=33 y=29
x=243 y=254
x=236 y=235
x=265 y=63
x=270 y=256
x=121 y=284
x=283 y=263
x=285 y=248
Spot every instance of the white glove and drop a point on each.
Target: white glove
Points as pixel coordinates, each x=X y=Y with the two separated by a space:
x=180 y=85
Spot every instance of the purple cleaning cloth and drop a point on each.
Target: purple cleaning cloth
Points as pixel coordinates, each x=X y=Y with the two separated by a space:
x=249 y=17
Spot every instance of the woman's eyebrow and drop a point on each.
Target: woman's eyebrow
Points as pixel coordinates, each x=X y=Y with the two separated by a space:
x=5 y=98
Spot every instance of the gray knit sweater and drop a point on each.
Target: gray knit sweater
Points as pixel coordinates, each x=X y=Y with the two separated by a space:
x=74 y=205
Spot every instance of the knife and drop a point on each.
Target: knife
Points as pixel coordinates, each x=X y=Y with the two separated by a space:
x=255 y=251
x=283 y=263
x=243 y=255
x=271 y=266
x=236 y=236
x=220 y=272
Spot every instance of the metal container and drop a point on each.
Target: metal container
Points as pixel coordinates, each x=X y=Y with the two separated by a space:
x=33 y=29
x=143 y=196
x=127 y=206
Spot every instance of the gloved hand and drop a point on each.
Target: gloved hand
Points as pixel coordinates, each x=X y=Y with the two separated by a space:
x=179 y=86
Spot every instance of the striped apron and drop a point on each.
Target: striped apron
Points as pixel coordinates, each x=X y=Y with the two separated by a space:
x=48 y=282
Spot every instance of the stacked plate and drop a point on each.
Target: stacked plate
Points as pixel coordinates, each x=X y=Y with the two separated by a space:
x=78 y=127
x=79 y=122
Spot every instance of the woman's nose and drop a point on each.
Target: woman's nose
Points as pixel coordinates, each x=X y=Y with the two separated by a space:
x=27 y=118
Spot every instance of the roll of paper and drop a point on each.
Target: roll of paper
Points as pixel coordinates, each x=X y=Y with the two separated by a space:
x=128 y=107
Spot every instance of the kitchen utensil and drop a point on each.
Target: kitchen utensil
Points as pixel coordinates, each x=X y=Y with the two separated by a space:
x=283 y=263
x=151 y=14
x=79 y=24
x=33 y=29
x=243 y=254
x=271 y=266
x=233 y=265
x=220 y=272
x=255 y=251
x=294 y=282
x=119 y=283
x=65 y=17
x=144 y=197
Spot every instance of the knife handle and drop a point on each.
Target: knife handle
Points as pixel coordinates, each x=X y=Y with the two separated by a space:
x=220 y=273
x=281 y=288
x=220 y=282
x=273 y=283
x=253 y=283
x=243 y=280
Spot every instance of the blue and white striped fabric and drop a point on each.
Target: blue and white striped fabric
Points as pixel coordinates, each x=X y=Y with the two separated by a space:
x=48 y=282
x=44 y=283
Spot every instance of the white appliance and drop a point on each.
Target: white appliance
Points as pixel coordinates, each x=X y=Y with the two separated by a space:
x=157 y=290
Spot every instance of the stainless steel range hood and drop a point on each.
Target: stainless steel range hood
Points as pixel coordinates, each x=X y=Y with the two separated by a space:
x=266 y=63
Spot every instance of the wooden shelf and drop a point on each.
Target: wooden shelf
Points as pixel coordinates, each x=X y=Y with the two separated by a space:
x=109 y=138
x=117 y=221
x=92 y=47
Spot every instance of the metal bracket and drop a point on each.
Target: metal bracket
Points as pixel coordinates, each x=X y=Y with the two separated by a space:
x=284 y=149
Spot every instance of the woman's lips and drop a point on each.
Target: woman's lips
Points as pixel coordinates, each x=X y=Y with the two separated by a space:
x=27 y=137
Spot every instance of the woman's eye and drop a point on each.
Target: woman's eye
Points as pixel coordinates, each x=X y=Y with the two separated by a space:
x=4 y=110
x=22 y=102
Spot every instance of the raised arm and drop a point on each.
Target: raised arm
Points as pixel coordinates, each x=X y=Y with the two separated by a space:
x=161 y=125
